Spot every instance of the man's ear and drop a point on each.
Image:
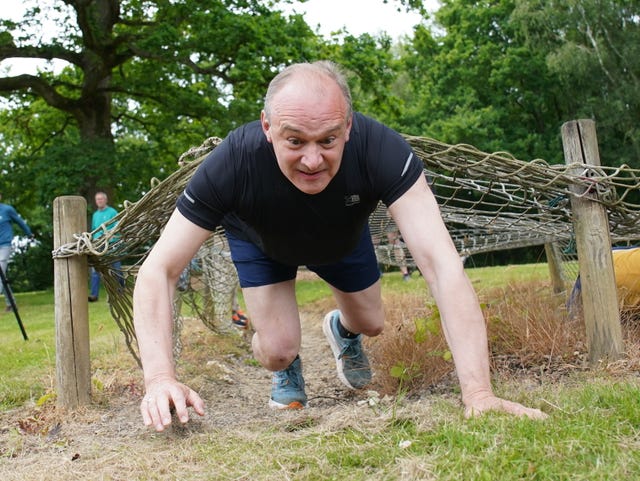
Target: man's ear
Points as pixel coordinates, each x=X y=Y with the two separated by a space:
x=266 y=126
x=348 y=129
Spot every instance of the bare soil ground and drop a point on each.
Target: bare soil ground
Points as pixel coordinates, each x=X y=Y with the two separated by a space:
x=107 y=439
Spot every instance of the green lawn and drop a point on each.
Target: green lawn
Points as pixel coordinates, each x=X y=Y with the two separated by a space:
x=27 y=368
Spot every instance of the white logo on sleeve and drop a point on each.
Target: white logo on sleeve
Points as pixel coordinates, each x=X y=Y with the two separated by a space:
x=351 y=200
x=406 y=164
x=188 y=197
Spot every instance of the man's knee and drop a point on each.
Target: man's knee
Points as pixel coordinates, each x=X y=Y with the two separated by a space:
x=275 y=355
x=369 y=323
x=277 y=361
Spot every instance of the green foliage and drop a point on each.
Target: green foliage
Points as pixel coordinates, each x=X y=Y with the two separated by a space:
x=427 y=326
x=371 y=63
x=32 y=269
x=403 y=372
x=473 y=81
x=591 y=47
x=505 y=75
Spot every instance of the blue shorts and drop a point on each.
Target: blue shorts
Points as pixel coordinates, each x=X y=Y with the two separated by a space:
x=353 y=273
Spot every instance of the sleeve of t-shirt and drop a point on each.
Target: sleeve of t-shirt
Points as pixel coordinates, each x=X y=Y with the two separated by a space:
x=208 y=193
x=396 y=167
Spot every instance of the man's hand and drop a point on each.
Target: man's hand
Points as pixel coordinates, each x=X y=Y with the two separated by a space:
x=483 y=402
x=161 y=396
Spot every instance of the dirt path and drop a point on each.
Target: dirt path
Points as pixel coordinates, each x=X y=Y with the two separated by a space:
x=242 y=397
x=100 y=441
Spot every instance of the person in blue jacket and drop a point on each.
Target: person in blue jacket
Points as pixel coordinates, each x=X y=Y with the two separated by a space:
x=8 y=216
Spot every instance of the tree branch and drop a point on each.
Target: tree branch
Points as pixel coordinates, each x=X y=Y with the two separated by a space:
x=40 y=87
x=44 y=52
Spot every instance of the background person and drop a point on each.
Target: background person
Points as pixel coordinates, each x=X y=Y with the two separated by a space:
x=102 y=215
x=395 y=241
x=8 y=216
x=297 y=188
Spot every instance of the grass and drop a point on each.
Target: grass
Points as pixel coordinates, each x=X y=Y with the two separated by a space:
x=487 y=278
x=27 y=368
x=595 y=438
x=592 y=432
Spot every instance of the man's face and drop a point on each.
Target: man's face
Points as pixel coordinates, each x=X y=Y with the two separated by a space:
x=308 y=128
x=101 y=201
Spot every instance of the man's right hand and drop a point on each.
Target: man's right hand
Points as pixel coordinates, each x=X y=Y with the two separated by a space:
x=161 y=395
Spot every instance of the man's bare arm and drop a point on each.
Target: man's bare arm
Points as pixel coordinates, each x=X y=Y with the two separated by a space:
x=418 y=217
x=153 y=321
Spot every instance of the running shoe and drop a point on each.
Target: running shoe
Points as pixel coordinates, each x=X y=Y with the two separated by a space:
x=287 y=389
x=239 y=319
x=351 y=361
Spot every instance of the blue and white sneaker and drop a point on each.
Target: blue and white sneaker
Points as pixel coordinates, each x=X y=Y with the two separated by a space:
x=287 y=389
x=351 y=361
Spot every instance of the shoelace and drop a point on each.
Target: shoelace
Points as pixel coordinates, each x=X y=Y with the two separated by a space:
x=350 y=350
x=288 y=376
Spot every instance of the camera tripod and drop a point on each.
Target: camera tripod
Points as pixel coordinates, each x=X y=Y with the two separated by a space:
x=12 y=301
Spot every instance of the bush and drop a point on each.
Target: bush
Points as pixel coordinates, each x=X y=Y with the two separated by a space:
x=31 y=267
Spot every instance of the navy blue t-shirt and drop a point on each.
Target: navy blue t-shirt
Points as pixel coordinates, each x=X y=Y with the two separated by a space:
x=240 y=186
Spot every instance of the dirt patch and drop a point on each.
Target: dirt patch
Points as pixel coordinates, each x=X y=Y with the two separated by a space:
x=241 y=396
x=107 y=439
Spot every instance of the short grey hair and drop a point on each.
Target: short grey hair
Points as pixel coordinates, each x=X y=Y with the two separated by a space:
x=320 y=68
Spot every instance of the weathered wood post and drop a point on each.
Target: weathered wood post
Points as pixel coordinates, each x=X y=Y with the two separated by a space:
x=554 y=260
x=591 y=227
x=73 y=372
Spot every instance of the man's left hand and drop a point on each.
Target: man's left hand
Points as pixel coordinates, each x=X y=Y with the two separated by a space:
x=489 y=402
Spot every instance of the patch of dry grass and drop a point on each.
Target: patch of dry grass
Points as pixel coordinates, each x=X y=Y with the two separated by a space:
x=423 y=363
x=530 y=333
x=529 y=328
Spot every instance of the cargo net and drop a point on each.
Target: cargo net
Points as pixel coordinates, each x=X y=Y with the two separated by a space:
x=489 y=202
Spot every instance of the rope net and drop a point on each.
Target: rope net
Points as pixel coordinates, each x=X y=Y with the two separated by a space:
x=489 y=202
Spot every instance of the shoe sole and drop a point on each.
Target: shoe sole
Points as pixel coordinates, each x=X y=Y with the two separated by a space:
x=326 y=328
x=292 y=405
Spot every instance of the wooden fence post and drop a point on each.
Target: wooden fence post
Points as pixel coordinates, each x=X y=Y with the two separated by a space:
x=73 y=371
x=554 y=260
x=591 y=227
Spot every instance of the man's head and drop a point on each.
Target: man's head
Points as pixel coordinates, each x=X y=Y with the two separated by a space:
x=307 y=117
x=101 y=200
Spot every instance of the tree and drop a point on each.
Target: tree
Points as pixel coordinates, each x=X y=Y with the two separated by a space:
x=473 y=80
x=142 y=78
x=592 y=47
x=506 y=74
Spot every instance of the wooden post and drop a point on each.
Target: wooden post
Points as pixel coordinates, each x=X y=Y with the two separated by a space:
x=554 y=260
x=591 y=227
x=73 y=372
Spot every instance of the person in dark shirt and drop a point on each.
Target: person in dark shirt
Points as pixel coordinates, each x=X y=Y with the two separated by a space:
x=296 y=189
